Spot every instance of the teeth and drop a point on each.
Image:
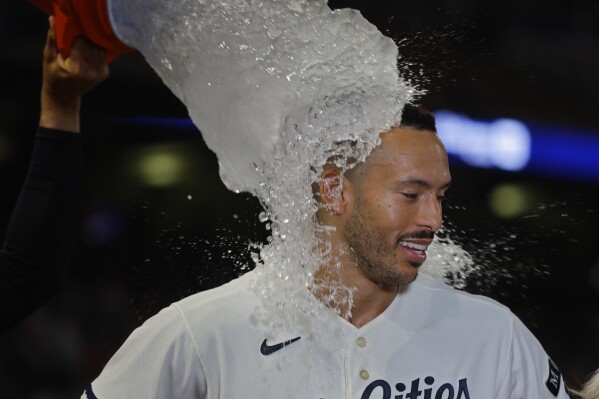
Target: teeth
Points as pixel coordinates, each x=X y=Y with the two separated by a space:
x=413 y=245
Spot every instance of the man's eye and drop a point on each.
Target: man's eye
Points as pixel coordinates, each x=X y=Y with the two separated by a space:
x=410 y=195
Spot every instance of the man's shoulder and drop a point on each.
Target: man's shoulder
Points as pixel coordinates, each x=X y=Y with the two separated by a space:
x=446 y=298
x=228 y=294
x=220 y=305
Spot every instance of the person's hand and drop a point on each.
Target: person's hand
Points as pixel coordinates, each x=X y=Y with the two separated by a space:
x=66 y=81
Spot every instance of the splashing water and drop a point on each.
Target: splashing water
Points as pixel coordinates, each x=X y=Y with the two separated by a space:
x=277 y=88
x=254 y=73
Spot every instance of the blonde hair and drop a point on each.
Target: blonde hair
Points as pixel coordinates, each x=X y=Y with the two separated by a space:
x=590 y=390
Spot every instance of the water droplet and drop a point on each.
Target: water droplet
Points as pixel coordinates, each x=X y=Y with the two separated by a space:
x=263 y=217
x=167 y=64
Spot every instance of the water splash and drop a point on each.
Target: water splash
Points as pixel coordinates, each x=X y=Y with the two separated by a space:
x=253 y=73
x=448 y=261
x=277 y=88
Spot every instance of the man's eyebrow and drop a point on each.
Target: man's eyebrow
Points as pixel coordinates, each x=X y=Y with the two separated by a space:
x=410 y=181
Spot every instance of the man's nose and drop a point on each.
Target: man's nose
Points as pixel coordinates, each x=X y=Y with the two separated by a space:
x=430 y=214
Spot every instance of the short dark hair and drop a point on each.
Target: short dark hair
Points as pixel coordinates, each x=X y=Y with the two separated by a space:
x=418 y=117
x=413 y=116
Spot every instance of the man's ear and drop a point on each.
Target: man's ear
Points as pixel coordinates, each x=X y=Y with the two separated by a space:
x=333 y=189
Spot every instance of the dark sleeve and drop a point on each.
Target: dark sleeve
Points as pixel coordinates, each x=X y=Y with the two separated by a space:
x=44 y=225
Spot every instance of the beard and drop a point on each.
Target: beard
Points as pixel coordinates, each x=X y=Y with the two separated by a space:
x=374 y=257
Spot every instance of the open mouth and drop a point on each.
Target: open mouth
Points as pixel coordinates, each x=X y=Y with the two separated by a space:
x=415 y=253
x=413 y=245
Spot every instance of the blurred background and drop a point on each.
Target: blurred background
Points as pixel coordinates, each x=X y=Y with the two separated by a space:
x=514 y=85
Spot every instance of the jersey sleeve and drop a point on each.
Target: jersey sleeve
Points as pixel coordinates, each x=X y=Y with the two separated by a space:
x=530 y=373
x=43 y=229
x=158 y=360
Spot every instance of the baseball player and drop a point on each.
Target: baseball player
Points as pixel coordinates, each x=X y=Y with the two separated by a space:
x=409 y=336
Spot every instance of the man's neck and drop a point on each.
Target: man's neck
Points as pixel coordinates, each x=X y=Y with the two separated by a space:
x=369 y=300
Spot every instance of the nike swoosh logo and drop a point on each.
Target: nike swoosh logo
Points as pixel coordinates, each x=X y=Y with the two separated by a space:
x=270 y=349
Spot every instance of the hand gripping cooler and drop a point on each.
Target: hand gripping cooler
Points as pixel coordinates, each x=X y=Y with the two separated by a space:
x=87 y=18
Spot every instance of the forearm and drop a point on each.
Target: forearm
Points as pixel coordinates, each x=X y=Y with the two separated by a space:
x=59 y=115
x=42 y=232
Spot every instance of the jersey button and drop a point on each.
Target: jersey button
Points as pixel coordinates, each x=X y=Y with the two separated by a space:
x=364 y=374
x=361 y=341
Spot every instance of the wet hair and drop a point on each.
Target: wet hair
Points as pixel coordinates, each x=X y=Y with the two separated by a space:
x=418 y=117
x=413 y=116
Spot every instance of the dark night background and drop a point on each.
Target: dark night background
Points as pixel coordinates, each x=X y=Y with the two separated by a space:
x=144 y=246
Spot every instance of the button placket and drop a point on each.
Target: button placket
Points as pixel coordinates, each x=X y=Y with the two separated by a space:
x=361 y=343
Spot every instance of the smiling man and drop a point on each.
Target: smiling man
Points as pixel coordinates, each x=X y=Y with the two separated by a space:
x=402 y=335
x=385 y=213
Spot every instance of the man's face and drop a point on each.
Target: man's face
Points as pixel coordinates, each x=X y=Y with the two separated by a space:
x=394 y=206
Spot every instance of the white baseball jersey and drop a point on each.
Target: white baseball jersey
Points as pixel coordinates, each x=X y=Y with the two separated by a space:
x=432 y=342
